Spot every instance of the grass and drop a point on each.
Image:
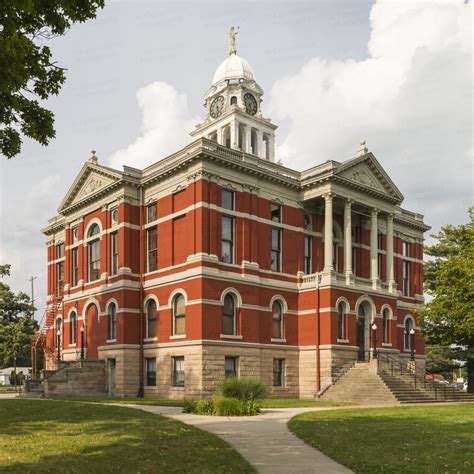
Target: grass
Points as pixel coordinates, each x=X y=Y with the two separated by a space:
x=55 y=436
x=406 y=439
x=267 y=403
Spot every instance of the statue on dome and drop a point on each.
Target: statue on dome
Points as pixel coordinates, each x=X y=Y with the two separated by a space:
x=232 y=35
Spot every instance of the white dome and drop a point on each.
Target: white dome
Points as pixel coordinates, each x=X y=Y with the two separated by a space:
x=234 y=67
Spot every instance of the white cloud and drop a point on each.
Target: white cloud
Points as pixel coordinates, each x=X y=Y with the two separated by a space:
x=166 y=123
x=411 y=99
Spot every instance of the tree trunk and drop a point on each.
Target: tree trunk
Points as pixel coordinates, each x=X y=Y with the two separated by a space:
x=470 y=372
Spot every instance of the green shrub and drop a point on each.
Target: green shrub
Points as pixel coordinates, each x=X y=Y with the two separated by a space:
x=252 y=407
x=229 y=407
x=244 y=388
x=190 y=406
x=205 y=407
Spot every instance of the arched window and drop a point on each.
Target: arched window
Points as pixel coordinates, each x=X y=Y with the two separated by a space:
x=277 y=326
x=228 y=315
x=386 y=325
x=73 y=327
x=93 y=253
x=341 y=320
x=151 y=319
x=59 y=324
x=179 y=315
x=112 y=321
x=408 y=328
x=233 y=100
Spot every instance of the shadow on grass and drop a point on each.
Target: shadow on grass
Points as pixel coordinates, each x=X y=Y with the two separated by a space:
x=409 y=439
x=44 y=436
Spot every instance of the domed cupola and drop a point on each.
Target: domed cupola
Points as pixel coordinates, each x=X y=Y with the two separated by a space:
x=234 y=117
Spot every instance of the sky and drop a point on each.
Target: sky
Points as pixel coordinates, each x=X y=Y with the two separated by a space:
x=397 y=74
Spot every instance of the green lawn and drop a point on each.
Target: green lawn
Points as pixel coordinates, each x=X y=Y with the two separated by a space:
x=406 y=439
x=56 y=436
x=267 y=403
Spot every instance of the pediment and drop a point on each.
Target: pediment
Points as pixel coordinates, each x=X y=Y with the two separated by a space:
x=368 y=172
x=91 y=180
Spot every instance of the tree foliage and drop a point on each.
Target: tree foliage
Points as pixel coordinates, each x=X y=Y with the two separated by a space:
x=449 y=278
x=17 y=326
x=27 y=70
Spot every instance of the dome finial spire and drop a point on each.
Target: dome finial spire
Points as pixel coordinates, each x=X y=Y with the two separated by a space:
x=232 y=34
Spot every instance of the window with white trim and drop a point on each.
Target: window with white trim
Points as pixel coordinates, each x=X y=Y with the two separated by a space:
x=112 y=321
x=151 y=319
x=179 y=315
x=75 y=266
x=150 y=369
x=152 y=249
x=278 y=372
x=276 y=249
x=178 y=371
x=408 y=337
x=73 y=327
x=93 y=248
x=228 y=315
x=113 y=253
x=151 y=214
x=386 y=325
x=275 y=213
x=308 y=242
x=341 y=320
x=227 y=242
x=228 y=199
x=406 y=278
x=230 y=366
x=277 y=320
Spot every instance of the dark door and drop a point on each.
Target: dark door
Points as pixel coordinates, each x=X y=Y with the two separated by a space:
x=361 y=337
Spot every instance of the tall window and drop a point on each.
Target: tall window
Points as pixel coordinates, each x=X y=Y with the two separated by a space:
x=151 y=319
x=227 y=199
x=150 y=368
x=278 y=372
x=60 y=277
x=386 y=325
x=227 y=246
x=59 y=251
x=341 y=321
x=276 y=250
x=94 y=253
x=277 y=320
x=408 y=328
x=178 y=371
x=355 y=240
x=275 y=213
x=75 y=266
x=151 y=214
x=152 y=249
x=113 y=253
x=228 y=315
x=112 y=321
x=179 y=315
x=379 y=255
x=335 y=244
x=406 y=249
x=230 y=365
x=406 y=278
x=73 y=328
x=307 y=254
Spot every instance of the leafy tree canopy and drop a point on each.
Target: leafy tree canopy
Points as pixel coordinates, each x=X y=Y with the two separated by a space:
x=449 y=278
x=27 y=70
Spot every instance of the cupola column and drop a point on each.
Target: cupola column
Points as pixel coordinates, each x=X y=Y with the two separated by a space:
x=390 y=277
x=328 y=236
x=271 y=147
x=248 y=139
x=259 y=144
x=234 y=135
x=219 y=136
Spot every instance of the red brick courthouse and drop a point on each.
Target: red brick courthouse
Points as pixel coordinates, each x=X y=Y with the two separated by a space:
x=219 y=261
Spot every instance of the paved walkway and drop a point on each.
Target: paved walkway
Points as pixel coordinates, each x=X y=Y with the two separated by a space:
x=264 y=440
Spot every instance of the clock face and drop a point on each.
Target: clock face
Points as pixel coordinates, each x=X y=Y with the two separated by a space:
x=217 y=105
x=250 y=104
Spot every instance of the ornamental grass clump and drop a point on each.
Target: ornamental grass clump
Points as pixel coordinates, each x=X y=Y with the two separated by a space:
x=224 y=406
x=245 y=389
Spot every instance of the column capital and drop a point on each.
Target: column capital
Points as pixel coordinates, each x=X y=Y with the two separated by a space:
x=374 y=211
x=390 y=216
x=328 y=196
x=348 y=201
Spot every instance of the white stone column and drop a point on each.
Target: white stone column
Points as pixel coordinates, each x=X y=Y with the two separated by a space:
x=220 y=133
x=248 y=139
x=373 y=248
x=348 y=242
x=233 y=135
x=259 y=144
x=390 y=274
x=328 y=236
x=271 y=147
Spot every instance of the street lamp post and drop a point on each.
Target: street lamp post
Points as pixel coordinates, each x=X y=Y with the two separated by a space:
x=59 y=344
x=82 y=342
x=412 y=343
x=374 y=333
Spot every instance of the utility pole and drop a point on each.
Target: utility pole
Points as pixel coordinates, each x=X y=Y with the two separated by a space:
x=32 y=279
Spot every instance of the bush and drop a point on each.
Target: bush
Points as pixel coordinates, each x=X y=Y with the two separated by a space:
x=205 y=407
x=244 y=389
x=229 y=407
x=190 y=406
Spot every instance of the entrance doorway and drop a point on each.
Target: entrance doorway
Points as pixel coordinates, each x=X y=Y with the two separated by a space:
x=363 y=323
x=111 y=377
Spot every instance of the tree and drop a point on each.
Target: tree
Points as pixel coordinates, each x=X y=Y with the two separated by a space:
x=443 y=360
x=449 y=278
x=17 y=327
x=27 y=70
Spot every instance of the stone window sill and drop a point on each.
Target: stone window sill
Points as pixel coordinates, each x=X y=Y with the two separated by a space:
x=176 y=388
x=386 y=344
x=343 y=341
x=277 y=339
x=230 y=336
x=111 y=340
x=150 y=339
x=150 y=387
x=72 y=345
x=178 y=336
x=279 y=388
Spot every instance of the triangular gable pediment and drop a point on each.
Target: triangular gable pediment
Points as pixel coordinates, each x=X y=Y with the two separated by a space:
x=91 y=180
x=367 y=171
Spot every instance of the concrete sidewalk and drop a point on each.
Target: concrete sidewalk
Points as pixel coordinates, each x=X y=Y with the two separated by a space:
x=264 y=440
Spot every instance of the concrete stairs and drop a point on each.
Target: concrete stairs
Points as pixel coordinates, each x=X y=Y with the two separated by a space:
x=75 y=378
x=361 y=384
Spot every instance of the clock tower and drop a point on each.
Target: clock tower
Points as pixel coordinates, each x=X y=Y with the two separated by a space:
x=233 y=109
